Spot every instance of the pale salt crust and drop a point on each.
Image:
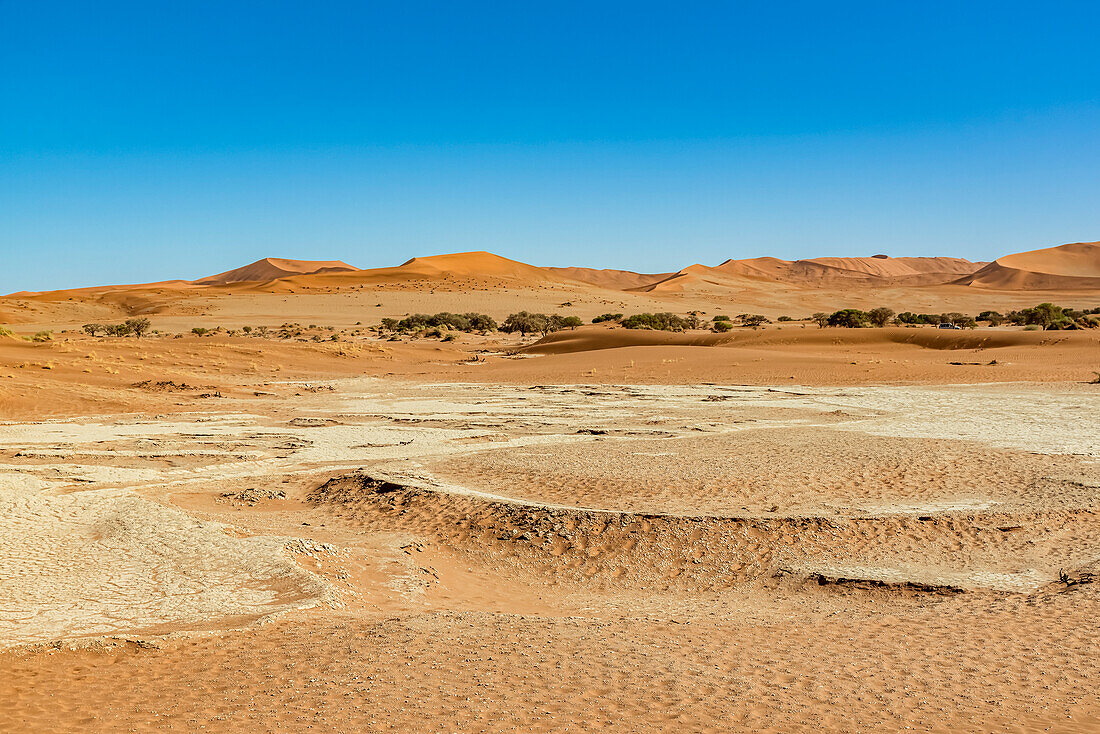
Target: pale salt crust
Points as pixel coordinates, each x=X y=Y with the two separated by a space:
x=83 y=553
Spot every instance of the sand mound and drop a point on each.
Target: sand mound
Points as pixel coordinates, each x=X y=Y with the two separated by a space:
x=588 y=339
x=878 y=270
x=874 y=270
x=1054 y=268
x=896 y=267
x=617 y=280
x=473 y=264
x=272 y=268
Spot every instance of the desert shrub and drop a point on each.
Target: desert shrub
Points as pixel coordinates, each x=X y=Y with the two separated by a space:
x=443 y=319
x=1044 y=316
x=880 y=316
x=526 y=323
x=993 y=317
x=200 y=331
x=607 y=317
x=692 y=321
x=657 y=321
x=721 y=326
x=557 y=323
x=821 y=318
x=246 y=329
x=908 y=317
x=448 y=320
x=5 y=331
x=42 y=336
x=450 y=337
x=481 y=322
x=753 y=320
x=138 y=326
x=849 y=318
x=1031 y=327
x=534 y=323
x=721 y=317
x=784 y=318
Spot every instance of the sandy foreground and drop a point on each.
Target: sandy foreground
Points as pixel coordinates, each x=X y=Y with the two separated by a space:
x=410 y=538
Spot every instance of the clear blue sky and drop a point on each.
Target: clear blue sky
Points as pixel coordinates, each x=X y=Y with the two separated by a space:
x=150 y=140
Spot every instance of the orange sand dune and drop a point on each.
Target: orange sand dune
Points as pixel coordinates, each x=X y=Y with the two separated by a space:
x=461 y=270
x=477 y=264
x=272 y=268
x=697 y=278
x=616 y=280
x=1070 y=266
x=878 y=270
x=897 y=267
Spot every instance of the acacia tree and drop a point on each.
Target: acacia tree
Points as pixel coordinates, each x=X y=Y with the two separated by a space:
x=880 y=316
x=526 y=323
x=138 y=326
x=754 y=320
x=851 y=318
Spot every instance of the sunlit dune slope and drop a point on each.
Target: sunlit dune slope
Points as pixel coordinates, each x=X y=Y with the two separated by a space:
x=1070 y=266
x=271 y=268
x=616 y=280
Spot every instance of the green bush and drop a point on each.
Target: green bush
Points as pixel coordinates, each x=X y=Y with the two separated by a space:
x=753 y=320
x=42 y=336
x=784 y=318
x=526 y=323
x=443 y=319
x=538 y=323
x=849 y=318
x=721 y=326
x=1045 y=315
x=138 y=326
x=607 y=317
x=880 y=316
x=656 y=321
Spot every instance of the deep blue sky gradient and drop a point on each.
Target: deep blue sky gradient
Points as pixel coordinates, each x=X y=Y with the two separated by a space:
x=151 y=140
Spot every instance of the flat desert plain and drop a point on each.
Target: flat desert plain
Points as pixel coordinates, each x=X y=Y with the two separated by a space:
x=327 y=528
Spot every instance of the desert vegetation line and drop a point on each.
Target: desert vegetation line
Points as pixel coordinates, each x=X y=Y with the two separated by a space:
x=444 y=325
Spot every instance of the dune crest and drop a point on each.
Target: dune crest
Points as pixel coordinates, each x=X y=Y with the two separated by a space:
x=272 y=268
x=473 y=264
x=1075 y=265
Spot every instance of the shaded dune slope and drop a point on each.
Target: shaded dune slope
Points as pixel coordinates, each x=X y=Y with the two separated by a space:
x=587 y=339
